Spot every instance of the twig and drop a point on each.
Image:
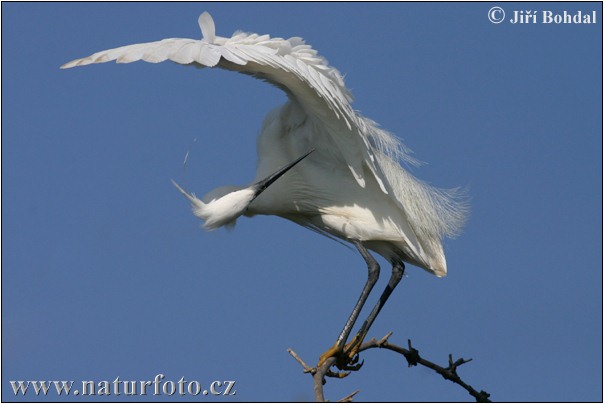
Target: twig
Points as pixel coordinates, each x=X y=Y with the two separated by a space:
x=412 y=356
x=307 y=369
x=348 y=398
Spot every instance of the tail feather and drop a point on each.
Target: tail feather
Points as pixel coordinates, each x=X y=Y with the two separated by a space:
x=196 y=203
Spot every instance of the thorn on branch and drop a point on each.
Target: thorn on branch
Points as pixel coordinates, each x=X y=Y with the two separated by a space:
x=450 y=372
x=412 y=355
x=482 y=397
x=453 y=365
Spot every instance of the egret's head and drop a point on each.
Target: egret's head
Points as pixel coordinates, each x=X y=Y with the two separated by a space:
x=224 y=205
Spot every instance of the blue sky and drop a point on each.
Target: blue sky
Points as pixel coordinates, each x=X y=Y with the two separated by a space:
x=106 y=273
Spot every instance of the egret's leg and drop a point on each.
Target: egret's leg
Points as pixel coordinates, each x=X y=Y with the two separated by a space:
x=398 y=269
x=373 y=275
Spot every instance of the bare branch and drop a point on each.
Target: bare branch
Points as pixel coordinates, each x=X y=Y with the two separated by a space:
x=319 y=378
x=412 y=357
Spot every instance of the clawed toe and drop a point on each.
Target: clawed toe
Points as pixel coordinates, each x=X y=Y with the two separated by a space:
x=347 y=358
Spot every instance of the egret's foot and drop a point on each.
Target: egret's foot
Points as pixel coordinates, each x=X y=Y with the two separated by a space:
x=347 y=358
x=351 y=350
x=334 y=351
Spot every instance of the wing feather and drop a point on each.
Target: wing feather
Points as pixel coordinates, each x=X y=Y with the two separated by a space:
x=319 y=89
x=290 y=64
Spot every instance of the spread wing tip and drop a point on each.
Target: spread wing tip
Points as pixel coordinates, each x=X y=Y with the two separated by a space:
x=208 y=28
x=69 y=65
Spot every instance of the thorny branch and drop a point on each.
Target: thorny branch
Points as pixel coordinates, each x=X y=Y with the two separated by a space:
x=413 y=358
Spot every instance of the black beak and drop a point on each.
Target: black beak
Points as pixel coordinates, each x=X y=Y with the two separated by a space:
x=262 y=185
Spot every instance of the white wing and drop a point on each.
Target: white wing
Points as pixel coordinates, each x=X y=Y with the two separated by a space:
x=287 y=63
x=319 y=89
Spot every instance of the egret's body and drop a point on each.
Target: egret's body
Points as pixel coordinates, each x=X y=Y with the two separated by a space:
x=323 y=194
x=352 y=186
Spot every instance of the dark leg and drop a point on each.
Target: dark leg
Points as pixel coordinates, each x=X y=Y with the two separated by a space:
x=374 y=273
x=398 y=269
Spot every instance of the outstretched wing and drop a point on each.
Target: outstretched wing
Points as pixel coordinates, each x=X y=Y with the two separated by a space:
x=319 y=89
x=289 y=64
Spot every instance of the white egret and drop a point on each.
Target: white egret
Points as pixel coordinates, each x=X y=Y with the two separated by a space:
x=352 y=187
